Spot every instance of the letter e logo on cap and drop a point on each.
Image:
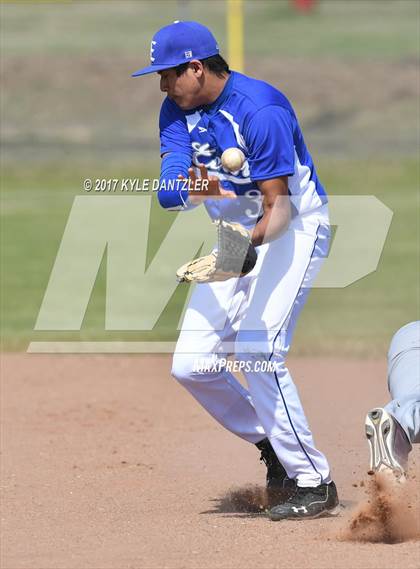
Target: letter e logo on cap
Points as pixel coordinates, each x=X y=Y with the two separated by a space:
x=152 y=50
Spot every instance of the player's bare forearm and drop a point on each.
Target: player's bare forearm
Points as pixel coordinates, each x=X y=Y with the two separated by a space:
x=276 y=211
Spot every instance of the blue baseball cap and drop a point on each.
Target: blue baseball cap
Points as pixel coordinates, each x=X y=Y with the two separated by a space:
x=178 y=43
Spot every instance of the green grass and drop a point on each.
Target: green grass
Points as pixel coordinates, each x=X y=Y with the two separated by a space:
x=70 y=110
x=356 y=28
x=357 y=320
x=361 y=318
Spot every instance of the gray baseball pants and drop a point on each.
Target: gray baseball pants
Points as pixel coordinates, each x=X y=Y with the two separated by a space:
x=404 y=379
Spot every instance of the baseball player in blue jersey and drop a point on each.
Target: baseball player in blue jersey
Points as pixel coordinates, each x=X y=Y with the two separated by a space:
x=277 y=196
x=392 y=429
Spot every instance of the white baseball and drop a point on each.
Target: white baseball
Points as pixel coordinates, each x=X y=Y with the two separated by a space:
x=233 y=159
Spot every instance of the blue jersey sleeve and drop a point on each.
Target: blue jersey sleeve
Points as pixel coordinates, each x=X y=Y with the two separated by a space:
x=176 y=150
x=269 y=138
x=174 y=136
x=172 y=193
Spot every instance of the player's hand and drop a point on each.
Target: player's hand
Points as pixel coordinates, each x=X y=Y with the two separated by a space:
x=200 y=191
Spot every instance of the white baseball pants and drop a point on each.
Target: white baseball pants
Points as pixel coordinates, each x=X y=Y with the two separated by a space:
x=254 y=317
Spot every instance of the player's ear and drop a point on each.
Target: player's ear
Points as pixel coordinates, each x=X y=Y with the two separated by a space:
x=197 y=67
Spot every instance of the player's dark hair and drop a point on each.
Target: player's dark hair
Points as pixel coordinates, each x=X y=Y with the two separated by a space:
x=215 y=64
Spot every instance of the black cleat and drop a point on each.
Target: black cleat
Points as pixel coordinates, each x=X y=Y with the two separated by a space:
x=277 y=482
x=308 y=503
x=276 y=473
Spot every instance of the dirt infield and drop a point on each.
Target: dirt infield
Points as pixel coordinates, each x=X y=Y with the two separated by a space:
x=108 y=463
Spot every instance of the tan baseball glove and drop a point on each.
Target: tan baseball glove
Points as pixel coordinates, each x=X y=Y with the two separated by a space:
x=235 y=257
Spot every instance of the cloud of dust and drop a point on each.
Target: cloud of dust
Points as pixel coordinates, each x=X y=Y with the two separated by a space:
x=248 y=499
x=252 y=499
x=389 y=514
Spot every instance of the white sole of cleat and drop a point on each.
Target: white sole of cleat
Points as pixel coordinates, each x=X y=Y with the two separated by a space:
x=380 y=434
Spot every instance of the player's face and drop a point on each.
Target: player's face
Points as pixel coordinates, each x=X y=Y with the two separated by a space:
x=184 y=90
